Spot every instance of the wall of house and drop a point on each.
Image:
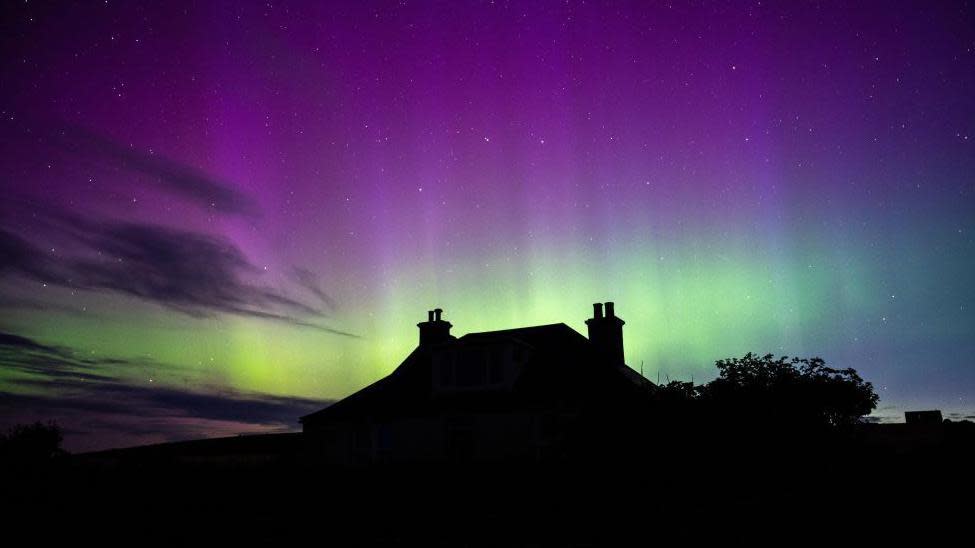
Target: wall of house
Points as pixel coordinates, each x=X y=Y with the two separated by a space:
x=481 y=437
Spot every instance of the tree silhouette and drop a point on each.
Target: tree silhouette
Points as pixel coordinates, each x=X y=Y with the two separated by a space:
x=795 y=390
x=31 y=443
x=677 y=391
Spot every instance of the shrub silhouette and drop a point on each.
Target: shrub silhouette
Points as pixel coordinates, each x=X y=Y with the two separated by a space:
x=800 y=391
x=31 y=443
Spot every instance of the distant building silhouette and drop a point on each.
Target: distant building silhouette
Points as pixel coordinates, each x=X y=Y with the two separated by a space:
x=923 y=417
x=496 y=395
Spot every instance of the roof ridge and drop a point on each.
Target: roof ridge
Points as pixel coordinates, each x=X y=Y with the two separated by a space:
x=510 y=329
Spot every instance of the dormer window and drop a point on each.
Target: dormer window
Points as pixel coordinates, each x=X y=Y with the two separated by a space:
x=472 y=368
x=496 y=372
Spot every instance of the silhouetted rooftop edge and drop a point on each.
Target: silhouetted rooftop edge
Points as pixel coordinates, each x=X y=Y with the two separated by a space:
x=558 y=349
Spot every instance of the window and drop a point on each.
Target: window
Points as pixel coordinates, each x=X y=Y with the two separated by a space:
x=472 y=367
x=385 y=437
x=446 y=373
x=496 y=374
x=473 y=370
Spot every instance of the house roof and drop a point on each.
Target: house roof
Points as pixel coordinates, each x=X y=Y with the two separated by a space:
x=562 y=365
x=537 y=336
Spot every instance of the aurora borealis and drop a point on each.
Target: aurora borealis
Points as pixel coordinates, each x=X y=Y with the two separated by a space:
x=217 y=215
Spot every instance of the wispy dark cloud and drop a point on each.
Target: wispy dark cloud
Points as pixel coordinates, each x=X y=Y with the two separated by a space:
x=180 y=179
x=22 y=355
x=9 y=340
x=878 y=420
x=18 y=303
x=195 y=273
x=103 y=415
x=310 y=282
x=146 y=401
x=98 y=410
x=19 y=256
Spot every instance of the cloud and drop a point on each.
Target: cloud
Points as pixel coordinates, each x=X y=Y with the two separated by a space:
x=17 y=303
x=309 y=280
x=22 y=355
x=195 y=273
x=23 y=343
x=883 y=419
x=106 y=415
x=17 y=255
x=112 y=397
x=98 y=410
x=185 y=181
x=184 y=270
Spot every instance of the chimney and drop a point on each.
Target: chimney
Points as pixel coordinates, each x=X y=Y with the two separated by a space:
x=434 y=330
x=606 y=334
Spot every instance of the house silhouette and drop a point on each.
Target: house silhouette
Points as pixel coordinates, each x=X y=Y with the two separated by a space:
x=514 y=394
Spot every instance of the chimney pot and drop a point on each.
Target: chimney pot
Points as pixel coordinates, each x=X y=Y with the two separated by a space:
x=435 y=330
x=606 y=334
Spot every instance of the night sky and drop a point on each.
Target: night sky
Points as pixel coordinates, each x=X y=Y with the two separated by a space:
x=217 y=216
